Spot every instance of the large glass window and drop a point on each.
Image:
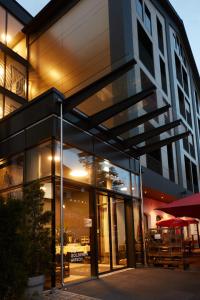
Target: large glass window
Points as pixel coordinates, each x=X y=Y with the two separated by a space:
x=160 y=36
x=38 y=162
x=139 y=7
x=147 y=19
x=13 y=193
x=10 y=106
x=1 y=106
x=15 y=77
x=2 y=24
x=163 y=75
x=112 y=177
x=11 y=172
x=77 y=164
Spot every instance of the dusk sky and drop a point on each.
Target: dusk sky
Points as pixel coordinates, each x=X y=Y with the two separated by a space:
x=188 y=11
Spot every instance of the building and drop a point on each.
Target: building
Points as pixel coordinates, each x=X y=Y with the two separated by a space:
x=111 y=69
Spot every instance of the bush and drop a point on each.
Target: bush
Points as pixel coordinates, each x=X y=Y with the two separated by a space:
x=13 y=275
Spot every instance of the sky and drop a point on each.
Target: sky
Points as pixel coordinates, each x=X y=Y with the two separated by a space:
x=189 y=11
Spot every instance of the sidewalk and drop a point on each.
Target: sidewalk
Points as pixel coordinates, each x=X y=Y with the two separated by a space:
x=64 y=295
x=143 y=284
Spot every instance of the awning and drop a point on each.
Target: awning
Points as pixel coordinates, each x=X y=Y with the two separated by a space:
x=117 y=116
x=185 y=207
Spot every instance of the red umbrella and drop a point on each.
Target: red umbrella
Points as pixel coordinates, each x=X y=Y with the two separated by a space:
x=188 y=206
x=173 y=222
x=190 y=220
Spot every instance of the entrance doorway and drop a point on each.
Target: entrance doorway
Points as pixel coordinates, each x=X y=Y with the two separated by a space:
x=111 y=233
x=76 y=235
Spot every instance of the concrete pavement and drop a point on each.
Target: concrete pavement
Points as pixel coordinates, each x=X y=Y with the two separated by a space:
x=143 y=284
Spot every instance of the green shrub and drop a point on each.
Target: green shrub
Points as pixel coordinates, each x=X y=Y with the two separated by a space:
x=13 y=275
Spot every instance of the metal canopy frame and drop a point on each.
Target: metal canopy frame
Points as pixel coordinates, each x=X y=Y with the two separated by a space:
x=93 y=88
x=112 y=135
x=151 y=147
x=142 y=137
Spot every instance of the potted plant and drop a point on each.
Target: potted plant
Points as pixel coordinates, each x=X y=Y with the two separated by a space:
x=37 y=232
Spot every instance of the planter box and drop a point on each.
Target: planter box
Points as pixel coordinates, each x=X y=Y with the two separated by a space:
x=35 y=287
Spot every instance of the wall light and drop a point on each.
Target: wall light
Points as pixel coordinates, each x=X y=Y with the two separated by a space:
x=56 y=158
x=79 y=173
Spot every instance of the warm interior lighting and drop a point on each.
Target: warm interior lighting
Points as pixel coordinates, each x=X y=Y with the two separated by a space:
x=1 y=112
x=43 y=188
x=6 y=38
x=106 y=169
x=79 y=173
x=56 y=158
x=1 y=71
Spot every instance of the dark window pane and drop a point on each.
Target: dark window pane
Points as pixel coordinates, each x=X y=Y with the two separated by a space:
x=195 y=178
x=185 y=81
x=178 y=69
x=147 y=19
x=145 y=49
x=160 y=36
x=139 y=7
x=181 y=103
x=170 y=162
x=163 y=75
x=188 y=174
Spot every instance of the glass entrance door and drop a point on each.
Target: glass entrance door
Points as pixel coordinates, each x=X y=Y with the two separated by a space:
x=111 y=233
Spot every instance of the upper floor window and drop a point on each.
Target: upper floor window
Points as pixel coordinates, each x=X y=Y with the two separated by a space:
x=147 y=19
x=185 y=81
x=178 y=69
x=197 y=101
x=163 y=75
x=139 y=7
x=160 y=36
x=145 y=49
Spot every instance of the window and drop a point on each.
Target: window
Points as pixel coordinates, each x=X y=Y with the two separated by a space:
x=170 y=162
x=147 y=19
x=188 y=113
x=38 y=162
x=139 y=8
x=77 y=164
x=197 y=101
x=167 y=118
x=188 y=174
x=135 y=185
x=145 y=49
x=195 y=178
x=163 y=75
x=191 y=145
x=10 y=106
x=112 y=177
x=178 y=69
x=181 y=103
x=160 y=36
x=11 y=172
x=185 y=81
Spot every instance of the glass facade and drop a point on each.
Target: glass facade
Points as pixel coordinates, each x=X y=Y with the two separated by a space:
x=78 y=205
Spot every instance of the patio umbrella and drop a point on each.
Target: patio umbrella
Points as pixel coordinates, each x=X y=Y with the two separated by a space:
x=173 y=222
x=185 y=207
x=190 y=220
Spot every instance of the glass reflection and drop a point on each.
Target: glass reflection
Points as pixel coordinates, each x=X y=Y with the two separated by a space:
x=77 y=164
x=135 y=185
x=10 y=106
x=11 y=172
x=138 y=231
x=38 y=164
x=112 y=177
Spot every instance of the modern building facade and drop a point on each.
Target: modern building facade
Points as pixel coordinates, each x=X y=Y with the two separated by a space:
x=108 y=71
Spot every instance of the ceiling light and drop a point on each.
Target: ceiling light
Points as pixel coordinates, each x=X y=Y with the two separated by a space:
x=124 y=188
x=79 y=173
x=6 y=38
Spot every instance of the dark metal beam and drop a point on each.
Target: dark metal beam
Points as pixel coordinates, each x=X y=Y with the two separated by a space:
x=96 y=86
x=113 y=110
x=154 y=146
x=117 y=130
x=142 y=137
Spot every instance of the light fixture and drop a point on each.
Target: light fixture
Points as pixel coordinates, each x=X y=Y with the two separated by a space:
x=6 y=38
x=56 y=158
x=63 y=205
x=124 y=188
x=1 y=70
x=133 y=188
x=79 y=173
